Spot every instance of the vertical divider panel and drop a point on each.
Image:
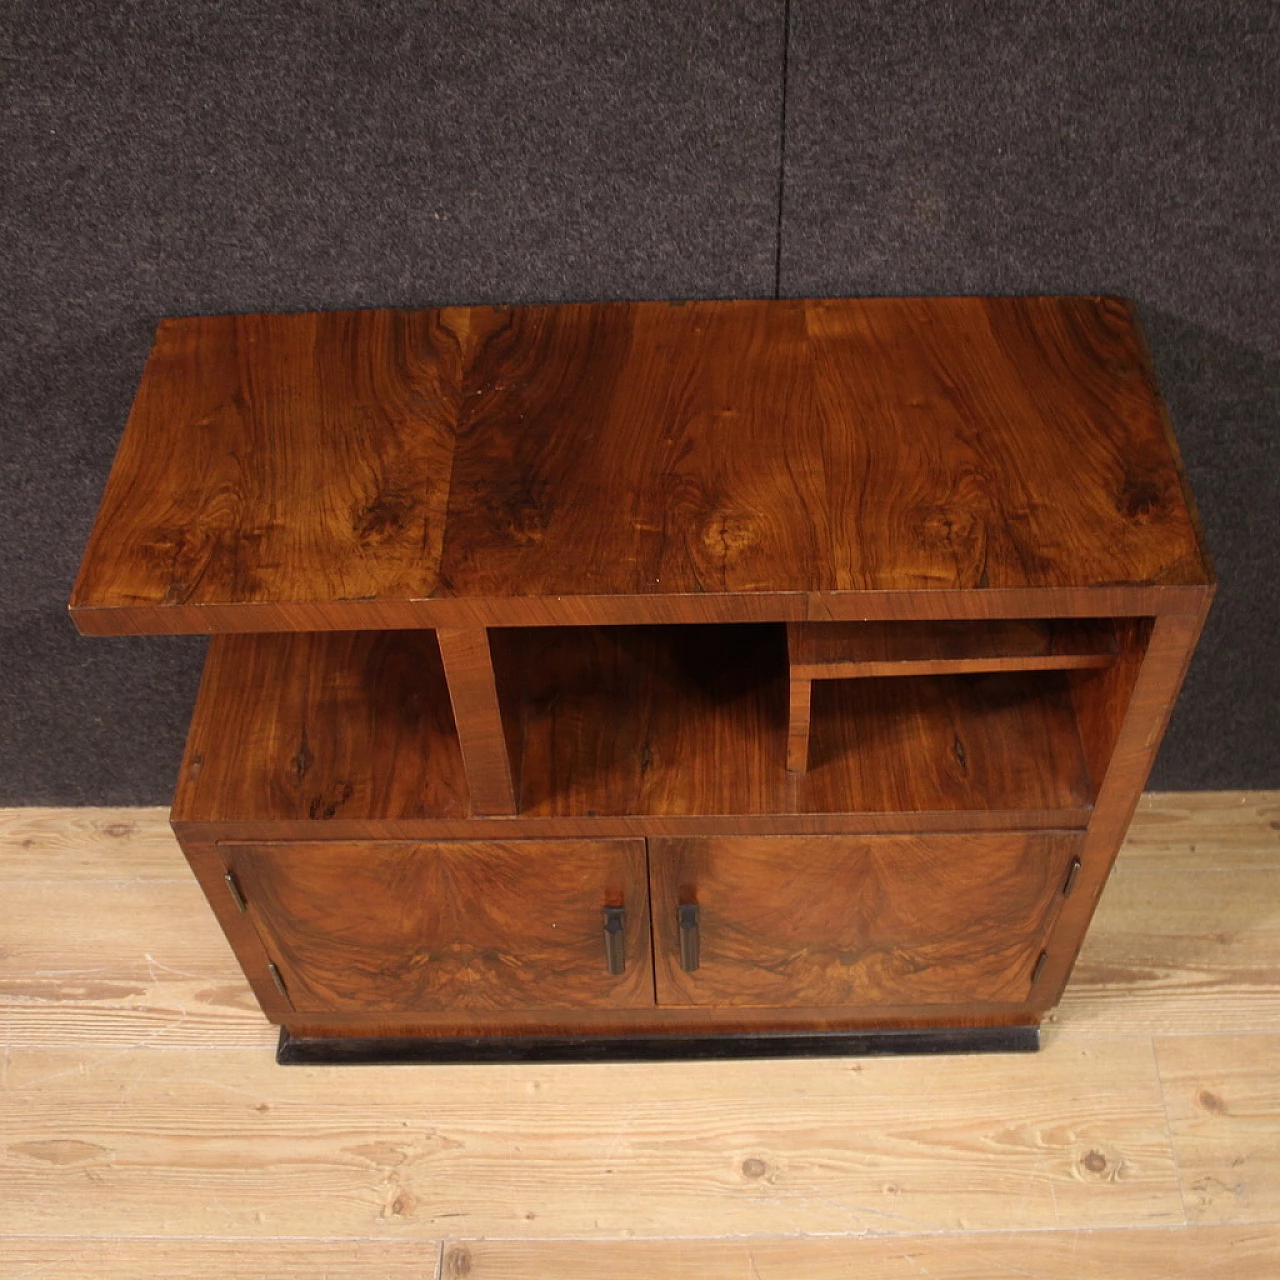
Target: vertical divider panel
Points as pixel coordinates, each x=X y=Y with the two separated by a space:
x=800 y=703
x=799 y=717
x=468 y=667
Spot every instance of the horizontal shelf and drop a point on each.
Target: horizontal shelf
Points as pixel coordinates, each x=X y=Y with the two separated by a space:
x=322 y=726
x=644 y=723
x=848 y=650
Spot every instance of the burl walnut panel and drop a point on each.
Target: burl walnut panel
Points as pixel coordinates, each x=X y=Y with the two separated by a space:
x=883 y=920
x=472 y=925
x=491 y=466
x=280 y=457
x=319 y=725
x=615 y=722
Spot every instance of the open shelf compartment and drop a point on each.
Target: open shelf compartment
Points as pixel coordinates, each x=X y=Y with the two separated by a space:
x=877 y=650
x=642 y=723
x=693 y=719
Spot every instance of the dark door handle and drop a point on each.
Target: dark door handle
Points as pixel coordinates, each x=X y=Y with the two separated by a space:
x=690 y=943
x=615 y=955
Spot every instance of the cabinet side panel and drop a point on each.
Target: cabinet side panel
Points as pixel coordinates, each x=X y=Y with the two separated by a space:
x=1102 y=697
x=1155 y=690
x=211 y=873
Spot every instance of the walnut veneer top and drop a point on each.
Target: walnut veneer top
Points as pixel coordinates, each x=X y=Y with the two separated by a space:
x=631 y=462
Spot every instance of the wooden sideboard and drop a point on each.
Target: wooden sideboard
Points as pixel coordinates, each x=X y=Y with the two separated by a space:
x=657 y=679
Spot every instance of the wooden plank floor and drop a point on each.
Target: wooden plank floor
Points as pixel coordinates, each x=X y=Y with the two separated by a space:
x=144 y=1128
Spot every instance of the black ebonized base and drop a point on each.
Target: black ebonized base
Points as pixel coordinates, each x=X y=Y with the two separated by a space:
x=355 y=1051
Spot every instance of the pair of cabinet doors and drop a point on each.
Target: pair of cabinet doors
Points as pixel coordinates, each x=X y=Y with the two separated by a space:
x=399 y=926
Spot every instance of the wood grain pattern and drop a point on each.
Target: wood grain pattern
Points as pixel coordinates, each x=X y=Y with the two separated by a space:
x=1171 y=831
x=610 y=611
x=1101 y=698
x=1181 y=951
x=272 y=457
x=225 y=896
x=799 y=719
x=316 y=727
x=989 y=743
x=647 y=720
x=176 y=1160
x=1223 y=1097
x=100 y=1258
x=694 y=720
x=477 y=925
x=850 y=650
x=887 y=920
x=967 y=492
x=381 y=469
x=119 y=962
x=1185 y=940
x=477 y=717
x=224 y=1143
x=1208 y=1253
x=1165 y=656
x=1203 y=830
x=943 y=1022
x=622 y=722
x=629 y=826
x=810 y=462
x=110 y=843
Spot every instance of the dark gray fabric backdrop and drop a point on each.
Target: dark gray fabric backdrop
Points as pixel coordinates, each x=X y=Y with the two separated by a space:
x=166 y=158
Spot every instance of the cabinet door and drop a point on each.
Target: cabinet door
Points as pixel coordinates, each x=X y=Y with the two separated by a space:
x=877 y=920
x=417 y=927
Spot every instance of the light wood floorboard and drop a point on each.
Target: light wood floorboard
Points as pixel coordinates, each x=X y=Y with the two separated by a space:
x=144 y=1128
x=118 y=963
x=1207 y=1253
x=1075 y=1136
x=1178 y=952
x=88 y=844
x=1205 y=830
x=1223 y=1098
x=96 y=1258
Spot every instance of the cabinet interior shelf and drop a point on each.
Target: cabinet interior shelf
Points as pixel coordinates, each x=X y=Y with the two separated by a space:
x=822 y=651
x=853 y=650
x=624 y=721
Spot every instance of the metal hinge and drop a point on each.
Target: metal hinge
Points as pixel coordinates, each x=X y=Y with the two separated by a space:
x=234 y=886
x=277 y=979
x=1072 y=873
